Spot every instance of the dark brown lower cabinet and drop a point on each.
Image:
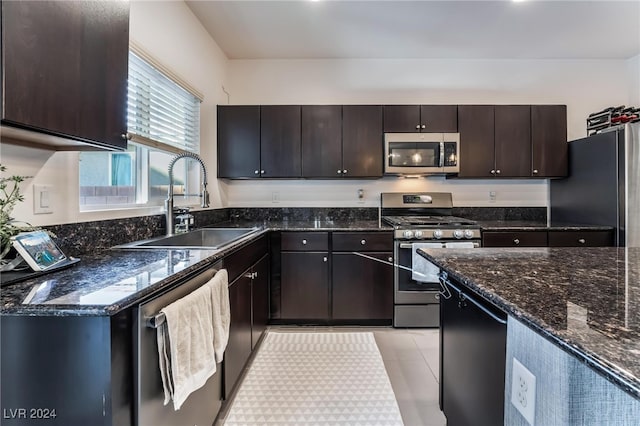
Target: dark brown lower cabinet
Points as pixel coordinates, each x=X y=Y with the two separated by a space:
x=239 y=346
x=581 y=239
x=259 y=300
x=551 y=238
x=362 y=288
x=305 y=285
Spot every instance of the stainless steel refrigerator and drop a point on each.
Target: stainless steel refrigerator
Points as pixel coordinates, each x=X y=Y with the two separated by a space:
x=603 y=187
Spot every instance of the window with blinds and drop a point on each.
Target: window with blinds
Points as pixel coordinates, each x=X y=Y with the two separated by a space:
x=160 y=112
x=163 y=120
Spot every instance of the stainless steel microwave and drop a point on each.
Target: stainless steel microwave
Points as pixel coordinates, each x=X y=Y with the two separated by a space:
x=421 y=153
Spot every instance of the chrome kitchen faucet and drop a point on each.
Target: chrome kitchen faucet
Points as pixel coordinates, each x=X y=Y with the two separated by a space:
x=168 y=203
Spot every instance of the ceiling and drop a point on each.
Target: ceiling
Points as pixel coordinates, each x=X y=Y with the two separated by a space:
x=532 y=29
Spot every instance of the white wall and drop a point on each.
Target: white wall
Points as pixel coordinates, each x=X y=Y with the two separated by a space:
x=584 y=86
x=170 y=32
x=633 y=66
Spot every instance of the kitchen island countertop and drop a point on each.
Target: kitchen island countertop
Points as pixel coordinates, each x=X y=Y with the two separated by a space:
x=586 y=300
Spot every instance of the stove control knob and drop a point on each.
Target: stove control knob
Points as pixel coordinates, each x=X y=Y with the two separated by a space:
x=458 y=234
x=408 y=234
x=437 y=234
x=468 y=233
x=418 y=234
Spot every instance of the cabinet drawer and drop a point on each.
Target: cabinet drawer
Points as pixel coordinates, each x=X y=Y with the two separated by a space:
x=239 y=261
x=362 y=241
x=515 y=239
x=580 y=238
x=305 y=241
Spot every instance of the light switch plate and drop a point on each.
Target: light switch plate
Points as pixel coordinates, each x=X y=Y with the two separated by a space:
x=42 y=199
x=523 y=391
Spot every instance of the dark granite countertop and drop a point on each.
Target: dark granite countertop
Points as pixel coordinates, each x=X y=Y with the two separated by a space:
x=109 y=281
x=586 y=300
x=526 y=225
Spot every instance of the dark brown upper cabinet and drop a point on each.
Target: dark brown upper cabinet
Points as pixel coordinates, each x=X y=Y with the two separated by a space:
x=64 y=68
x=362 y=142
x=512 y=141
x=322 y=141
x=476 y=126
x=420 y=118
x=280 y=147
x=238 y=141
x=549 y=145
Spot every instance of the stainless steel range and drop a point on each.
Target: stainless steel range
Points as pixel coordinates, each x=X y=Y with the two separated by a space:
x=422 y=220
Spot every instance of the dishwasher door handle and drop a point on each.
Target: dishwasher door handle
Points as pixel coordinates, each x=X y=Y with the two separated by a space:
x=445 y=281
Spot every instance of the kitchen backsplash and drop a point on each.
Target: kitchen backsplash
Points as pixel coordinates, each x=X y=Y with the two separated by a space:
x=76 y=239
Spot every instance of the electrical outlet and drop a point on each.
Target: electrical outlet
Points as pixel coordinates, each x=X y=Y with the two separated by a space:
x=275 y=197
x=523 y=391
x=492 y=196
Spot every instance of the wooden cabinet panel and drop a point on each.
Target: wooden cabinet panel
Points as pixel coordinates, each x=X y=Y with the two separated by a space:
x=305 y=285
x=549 y=140
x=362 y=241
x=259 y=300
x=514 y=239
x=238 y=141
x=321 y=140
x=439 y=118
x=420 y=118
x=239 y=346
x=240 y=260
x=362 y=142
x=581 y=238
x=305 y=241
x=476 y=126
x=512 y=140
x=280 y=153
x=362 y=289
x=401 y=118
x=64 y=67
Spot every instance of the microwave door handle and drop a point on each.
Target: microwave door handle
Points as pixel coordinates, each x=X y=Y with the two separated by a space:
x=442 y=155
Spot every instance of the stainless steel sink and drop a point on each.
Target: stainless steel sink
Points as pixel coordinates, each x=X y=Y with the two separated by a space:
x=205 y=238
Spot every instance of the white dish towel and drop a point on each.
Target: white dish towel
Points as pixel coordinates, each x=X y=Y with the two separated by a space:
x=219 y=286
x=460 y=244
x=185 y=345
x=421 y=269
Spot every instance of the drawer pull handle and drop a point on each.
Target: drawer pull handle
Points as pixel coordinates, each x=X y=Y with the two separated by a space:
x=582 y=241
x=304 y=242
x=363 y=242
x=324 y=259
x=516 y=241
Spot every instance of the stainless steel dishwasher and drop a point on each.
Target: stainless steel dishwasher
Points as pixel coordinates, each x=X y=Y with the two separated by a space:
x=203 y=405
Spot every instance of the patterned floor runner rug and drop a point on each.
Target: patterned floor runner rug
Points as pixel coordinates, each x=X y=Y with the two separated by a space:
x=316 y=379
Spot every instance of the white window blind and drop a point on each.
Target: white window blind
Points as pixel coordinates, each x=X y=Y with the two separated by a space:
x=161 y=113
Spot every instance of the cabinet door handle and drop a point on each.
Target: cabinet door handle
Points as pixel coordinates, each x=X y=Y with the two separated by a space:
x=498 y=171
x=248 y=275
x=324 y=259
x=424 y=126
x=126 y=136
x=582 y=241
x=493 y=172
x=339 y=171
x=391 y=259
x=363 y=242
x=516 y=241
x=418 y=126
x=535 y=171
x=304 y=242
x=261 y=172
x=256 y=172
x=344 y=171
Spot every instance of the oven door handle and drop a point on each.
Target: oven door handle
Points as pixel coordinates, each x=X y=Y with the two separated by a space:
x=441 y=155
x=410 y=246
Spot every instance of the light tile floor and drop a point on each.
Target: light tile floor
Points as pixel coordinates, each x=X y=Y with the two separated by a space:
x=411 y=358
